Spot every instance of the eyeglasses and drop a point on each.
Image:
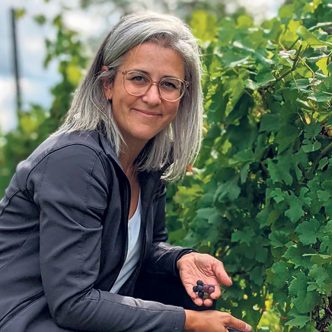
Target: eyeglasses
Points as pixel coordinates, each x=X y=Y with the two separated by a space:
x=137 y=84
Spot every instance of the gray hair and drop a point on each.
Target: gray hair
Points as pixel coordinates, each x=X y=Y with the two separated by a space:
x=179 y=143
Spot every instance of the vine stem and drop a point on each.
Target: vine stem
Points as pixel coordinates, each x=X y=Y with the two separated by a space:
x=295 y=61
x=320 y=156
x=325 y=150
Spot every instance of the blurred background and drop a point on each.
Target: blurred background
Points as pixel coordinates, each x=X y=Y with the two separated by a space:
x=91 y=19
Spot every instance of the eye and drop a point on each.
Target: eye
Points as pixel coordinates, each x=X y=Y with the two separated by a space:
x=170 y=84
x=137 y=78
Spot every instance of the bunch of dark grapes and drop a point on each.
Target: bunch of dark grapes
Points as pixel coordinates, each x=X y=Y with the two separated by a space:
x=203 y=290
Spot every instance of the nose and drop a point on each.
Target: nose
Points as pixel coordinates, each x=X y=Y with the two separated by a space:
x=152 y=95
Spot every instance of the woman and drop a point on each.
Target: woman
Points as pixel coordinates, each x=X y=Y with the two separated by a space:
x=83 y=216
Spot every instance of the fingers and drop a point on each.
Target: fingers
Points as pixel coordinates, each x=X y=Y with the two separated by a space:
x=216 y=294
x=198 y=301
x=237 y=324
x=205 y=292
x=221 y=274
x=207 y=302
x=214 y=320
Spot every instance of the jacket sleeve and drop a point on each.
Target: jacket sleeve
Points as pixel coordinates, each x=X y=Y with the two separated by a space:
x=162 y=256
x=70 y=187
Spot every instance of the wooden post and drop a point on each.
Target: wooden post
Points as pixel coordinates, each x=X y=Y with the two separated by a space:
x=16 y=66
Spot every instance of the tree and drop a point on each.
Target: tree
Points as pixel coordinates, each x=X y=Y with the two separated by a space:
x=35 y=123
x=259 y=197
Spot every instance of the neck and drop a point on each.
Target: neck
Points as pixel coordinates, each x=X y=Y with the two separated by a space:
x=127 y=158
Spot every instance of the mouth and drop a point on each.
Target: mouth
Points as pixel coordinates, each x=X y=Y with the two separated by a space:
x=146 y=113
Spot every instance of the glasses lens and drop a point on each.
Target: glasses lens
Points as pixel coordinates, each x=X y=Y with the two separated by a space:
x=171 y=89
x=136 y=83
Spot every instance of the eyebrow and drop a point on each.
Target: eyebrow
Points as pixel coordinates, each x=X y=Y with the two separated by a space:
x=148 y=74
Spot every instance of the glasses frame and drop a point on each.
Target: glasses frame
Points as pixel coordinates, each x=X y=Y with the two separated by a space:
x=183 y=82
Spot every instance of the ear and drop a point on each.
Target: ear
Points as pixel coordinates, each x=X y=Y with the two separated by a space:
x=107 y=86
x=108 y=91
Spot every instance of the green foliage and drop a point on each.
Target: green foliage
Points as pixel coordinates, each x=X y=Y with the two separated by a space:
x=260 y=195
x=36 y=123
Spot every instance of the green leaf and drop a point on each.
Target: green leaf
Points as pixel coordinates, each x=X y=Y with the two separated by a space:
x=319 y=259
x=244 y=172
x=322 y=65
x=323 y=195
x=240 y=62
x=320 y=97
x=323 y=162
x=326 y=243
x=19 y=12
x=322 y=279
x=299 y=321
x=206 y=213
x=311 y=146
x=228 y=190
x=312 y=130
x=280 y=272
x=279 y=171
x=40 y=19
x=298 y=256
x=286 y=137
x=261 y=255
x=295 y=211
x=308 y=231
x=246 y=236
x=290 y=35
x=270 y=122
x=304 y=300
x=264 y=77
x=74 y=74
x=279 y=239
x=278 y=195
x=310 y=37
x=244 y=21
x=203 y=25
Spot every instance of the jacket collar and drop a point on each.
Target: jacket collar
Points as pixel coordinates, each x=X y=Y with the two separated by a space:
x=108 y=148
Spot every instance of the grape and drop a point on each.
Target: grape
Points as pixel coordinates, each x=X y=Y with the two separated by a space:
x=201 y=294
x=211 y=289
x=206 y=288
x=200 y=288
x=203 y=290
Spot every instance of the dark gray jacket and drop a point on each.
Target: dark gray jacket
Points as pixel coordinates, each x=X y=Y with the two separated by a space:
x=63 y=236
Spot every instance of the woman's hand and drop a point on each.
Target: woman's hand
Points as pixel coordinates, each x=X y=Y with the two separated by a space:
x=196 y=266
x=213 y=321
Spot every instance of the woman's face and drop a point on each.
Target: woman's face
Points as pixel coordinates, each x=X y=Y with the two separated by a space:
x=141 y=118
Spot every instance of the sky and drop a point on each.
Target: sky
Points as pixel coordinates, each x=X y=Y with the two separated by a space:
x=35 y=79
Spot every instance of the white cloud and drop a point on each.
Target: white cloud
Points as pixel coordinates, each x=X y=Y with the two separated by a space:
x=84 y=22
x=262 y=9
